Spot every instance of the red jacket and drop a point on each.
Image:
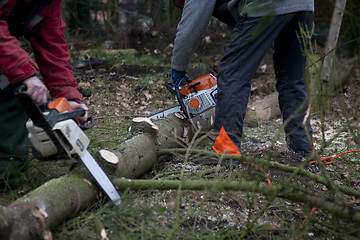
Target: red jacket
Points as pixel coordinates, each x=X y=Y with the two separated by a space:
x=50 y=51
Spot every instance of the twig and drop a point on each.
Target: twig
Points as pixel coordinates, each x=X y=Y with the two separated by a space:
x=242 y=158
x=294 y=194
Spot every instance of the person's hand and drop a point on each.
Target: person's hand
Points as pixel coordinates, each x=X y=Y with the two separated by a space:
x=177 y=77
x=36 y=90
x=74 y=105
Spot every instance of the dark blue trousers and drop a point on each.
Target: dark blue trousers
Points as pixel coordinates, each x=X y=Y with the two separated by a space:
x=248 y=44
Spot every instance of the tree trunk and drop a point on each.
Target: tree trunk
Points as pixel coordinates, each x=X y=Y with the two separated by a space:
x=139 y=153
x=327 y=69
x=333 y=38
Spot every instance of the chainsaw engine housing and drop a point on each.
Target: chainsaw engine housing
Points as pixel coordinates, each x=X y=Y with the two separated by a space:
x=200 y=94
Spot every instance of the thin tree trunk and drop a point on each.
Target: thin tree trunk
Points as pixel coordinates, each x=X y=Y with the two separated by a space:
x=327 y=69
x=333 y=38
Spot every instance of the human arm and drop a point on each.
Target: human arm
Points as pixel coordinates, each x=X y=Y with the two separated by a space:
x=52 y=57
x=18 y=66
x=15 y=63
x=195 y=18
x=51 y=54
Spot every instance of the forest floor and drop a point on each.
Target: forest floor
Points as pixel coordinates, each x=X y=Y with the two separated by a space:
x=120 y=84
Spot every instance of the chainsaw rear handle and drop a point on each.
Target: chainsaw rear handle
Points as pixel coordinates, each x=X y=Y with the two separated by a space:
x=47 y=122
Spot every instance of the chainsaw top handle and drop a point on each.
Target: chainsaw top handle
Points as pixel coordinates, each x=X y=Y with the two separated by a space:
x=57 y=110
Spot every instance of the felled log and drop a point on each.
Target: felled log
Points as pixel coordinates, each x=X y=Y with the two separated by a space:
x=58 y=200
x=139 y=153
x=34 y=215
x=264 y=109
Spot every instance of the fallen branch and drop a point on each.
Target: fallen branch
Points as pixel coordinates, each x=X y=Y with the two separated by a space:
x=340 y=210
x=286 y=168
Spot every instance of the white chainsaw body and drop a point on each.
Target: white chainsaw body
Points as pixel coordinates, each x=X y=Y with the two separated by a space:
x=202 y=100
x=70 y=136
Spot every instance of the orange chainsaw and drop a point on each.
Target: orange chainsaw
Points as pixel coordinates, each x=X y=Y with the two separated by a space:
x=194 y=98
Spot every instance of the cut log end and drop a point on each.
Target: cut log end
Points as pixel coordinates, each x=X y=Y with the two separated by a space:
x=109 y=156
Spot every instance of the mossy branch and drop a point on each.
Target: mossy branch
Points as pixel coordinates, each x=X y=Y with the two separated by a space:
x=285 y=168
x=294 y=194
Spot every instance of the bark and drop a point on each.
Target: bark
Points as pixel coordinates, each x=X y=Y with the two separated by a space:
x=340 y=210
x=333 y=37
x=139 y=153
x=46 y=207
x=327 y=76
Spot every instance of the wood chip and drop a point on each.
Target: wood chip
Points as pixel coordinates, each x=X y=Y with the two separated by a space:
x=145 y=120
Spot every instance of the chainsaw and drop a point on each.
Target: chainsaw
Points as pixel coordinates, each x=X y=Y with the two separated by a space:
x=194 y=98
x=56 y=134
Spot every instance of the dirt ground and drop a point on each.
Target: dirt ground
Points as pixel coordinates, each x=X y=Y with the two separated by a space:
x=120 y=84
x=119 y=92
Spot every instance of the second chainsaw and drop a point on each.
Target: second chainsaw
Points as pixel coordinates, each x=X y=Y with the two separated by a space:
x=195 y=97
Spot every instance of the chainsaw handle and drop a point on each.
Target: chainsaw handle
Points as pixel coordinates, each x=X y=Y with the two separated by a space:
x=169 y=87
x=31 y=108
x=74 y=115
x=36 y=113
x=175 y=90
x=21 y=89
x=194 y=86
x=85 y=126
x=181 y=102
